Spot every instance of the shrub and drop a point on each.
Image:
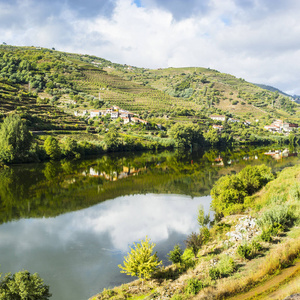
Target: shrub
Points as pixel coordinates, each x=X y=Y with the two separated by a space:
x=229 y=191
x=175 y=255
x=275 y=216
x=295 y=192
x=22 y=285
x=195 y=242
x=140 y=261
x=214 y=273
x=226 y=265
x=248 y=251
x=193 y=286
x=244 y=251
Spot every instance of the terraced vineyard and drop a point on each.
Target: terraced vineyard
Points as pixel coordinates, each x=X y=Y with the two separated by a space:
x=128 y=94
x=39 y=116
x=74 y=82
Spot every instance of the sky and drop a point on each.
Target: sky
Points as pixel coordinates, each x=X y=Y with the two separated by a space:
x=257 y=40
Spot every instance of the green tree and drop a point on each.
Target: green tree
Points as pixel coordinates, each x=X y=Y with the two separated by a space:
x=203 y=220
x=23 y=286
x=228 y=195
x=255 y=177
x=186 y=135
x=52 y=147
x=212 y=137
x=195 y=242
x=15 y=139
x=175 y=255
x=70 y=148
x=140 y=261
x=112 y=140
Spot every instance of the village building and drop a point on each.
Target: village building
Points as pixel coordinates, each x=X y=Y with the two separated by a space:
x=114 y=114
x=218 y=127
x=95 y=113
x=218 y=117
x=137 y=120
x=280 y=126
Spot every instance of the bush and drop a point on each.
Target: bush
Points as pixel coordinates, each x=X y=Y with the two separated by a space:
x=214 y=273
x=175 y=255
x=193 y=286
x=195 y=242
x=275 y=216
x=140 y=261
x=244 y=251
x=225 y=267
x=22 y=286
x=248 y=251
x=229 y=192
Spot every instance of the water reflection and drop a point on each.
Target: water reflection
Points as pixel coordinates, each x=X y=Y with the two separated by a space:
x=53 y=188
x=56 y=220
x=78 y=253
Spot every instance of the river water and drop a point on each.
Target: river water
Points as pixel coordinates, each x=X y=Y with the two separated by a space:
x=73 y=222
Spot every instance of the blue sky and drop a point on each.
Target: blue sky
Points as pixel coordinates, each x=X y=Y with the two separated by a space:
x=257 y=40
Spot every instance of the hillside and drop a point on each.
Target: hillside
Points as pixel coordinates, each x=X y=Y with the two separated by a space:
x=209 y=90
x=73 y=82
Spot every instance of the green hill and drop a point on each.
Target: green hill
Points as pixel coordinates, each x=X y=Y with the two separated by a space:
x=53 y=85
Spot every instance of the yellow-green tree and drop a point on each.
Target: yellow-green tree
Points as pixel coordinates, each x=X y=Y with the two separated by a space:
x=141 y=261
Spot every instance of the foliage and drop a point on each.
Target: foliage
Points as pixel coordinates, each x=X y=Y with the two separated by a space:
x=248 y=251
x=186 y=135
x=277 y=215
x=112 y=140
x=255 y=177
x=15 y=139
x=203 y=220
x=229 y=192
x=195 y=242
x=70 y=148
x=187 y=258
x=23 y=286
x=193 y=287
x=52 y=147
x=140 y=261
x=228 y=195
x=225 y=267
x=175 y=255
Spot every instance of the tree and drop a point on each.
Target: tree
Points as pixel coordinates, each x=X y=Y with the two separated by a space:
x=15 y=139
x=203 y=220
x=175 y=255
x=195 y=242
x=112 y=140
x=140 y=261
x=52 y=147
x=228 y=195
x=70 y=148
x=186 y=135
x=23 y=286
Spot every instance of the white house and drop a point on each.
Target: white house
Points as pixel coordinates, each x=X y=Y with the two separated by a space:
x=95 y=113
x=218 y=118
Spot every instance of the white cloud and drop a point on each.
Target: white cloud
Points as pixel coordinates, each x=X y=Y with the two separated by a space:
x=255 y=40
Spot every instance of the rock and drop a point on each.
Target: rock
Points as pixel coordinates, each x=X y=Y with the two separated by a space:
x=293 y=297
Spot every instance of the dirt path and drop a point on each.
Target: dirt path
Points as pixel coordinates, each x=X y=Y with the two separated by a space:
x=271 y=285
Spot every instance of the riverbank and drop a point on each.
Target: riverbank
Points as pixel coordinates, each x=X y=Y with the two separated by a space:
x=241 y=254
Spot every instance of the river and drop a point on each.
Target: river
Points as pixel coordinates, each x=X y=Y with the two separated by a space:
x=73 y=222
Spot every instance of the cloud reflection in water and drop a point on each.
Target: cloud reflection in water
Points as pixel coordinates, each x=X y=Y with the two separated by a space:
x=77 y=253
